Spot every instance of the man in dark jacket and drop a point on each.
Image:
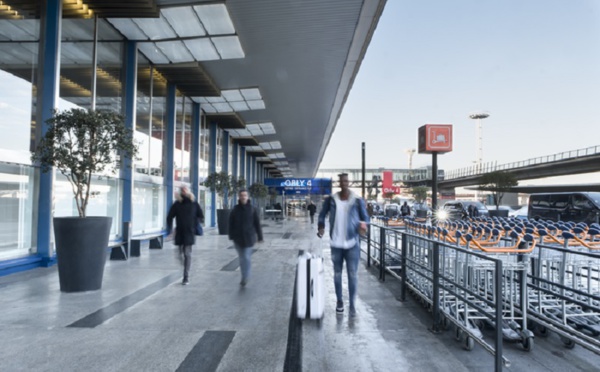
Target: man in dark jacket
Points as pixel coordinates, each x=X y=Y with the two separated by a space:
x=244 y=226
x=187 y=214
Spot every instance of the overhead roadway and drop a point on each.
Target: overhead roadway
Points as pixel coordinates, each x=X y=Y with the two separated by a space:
x=567 y=167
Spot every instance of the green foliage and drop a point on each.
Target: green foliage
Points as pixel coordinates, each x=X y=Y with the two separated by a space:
x=497 y=183
x=258 y=191
x=237 y=184
x=419 y=193
x=80 y=143
x=218 y=182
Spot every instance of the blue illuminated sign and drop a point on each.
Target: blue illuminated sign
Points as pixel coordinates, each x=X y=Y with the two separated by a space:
x=300 y=186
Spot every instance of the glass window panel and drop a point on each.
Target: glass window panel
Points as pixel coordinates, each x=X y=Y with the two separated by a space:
x=202 y=49
x=215 y=19
x=77 y=29
x=265 y=145
x=155 y=28
x=207 y=107
x=148 y=207
x=251 y=94
x=175 y=51
x=256 y=105
x=153 y=53
x=215 y=99
x=275 y=145
x=222 y=107
x=20 y=29
x=16 y=210
x=239 y=106
x=232 y=95
x=9 y=55
x=229 y=47
x=184 y=21
x=128 y=28
x=76 y=53
x=104 y=200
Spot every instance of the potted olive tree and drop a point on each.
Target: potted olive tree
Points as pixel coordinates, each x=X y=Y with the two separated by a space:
x=80 y=144
x=220 y=182
x=258 y=191
x=237 y=184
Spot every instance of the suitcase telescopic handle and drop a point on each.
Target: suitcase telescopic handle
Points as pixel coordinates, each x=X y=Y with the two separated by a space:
x=312 y=281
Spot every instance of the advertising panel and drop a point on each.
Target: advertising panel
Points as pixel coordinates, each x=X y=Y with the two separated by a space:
x=300 y=186
x=388 y=183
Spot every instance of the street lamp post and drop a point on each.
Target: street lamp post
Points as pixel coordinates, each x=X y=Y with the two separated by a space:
x=479 y=116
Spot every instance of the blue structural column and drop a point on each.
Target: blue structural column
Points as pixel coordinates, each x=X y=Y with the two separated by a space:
x=248 y=170
x=234 y=164
x=47 y=97
x=242 y=170
x=195 y=151
x=253 y=164
x=212 y=168
x=129 y=112
x=225 y=164
x=170 y=143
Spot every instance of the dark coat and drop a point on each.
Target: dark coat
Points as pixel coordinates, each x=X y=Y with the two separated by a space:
x=312 y=209
x=187 y=214
x=244 y=225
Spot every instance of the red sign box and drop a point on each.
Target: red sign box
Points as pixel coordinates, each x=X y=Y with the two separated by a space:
x=435 y=138
x=388 y=183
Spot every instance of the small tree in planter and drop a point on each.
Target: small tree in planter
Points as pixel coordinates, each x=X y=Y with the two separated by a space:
x=81 y=143
x=237 y=184
x=258 y=191
x=498 y=183
x=419 y=193
x=220 y=182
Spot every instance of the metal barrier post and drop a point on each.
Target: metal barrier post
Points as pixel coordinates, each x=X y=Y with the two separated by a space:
x=435 y=306
x=369 y=245
x=499 y=304
x=403 y=267
x=381 y=254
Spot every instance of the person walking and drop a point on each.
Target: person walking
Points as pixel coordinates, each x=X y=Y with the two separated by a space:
x=244 y=227
x=405 y=210
x=312 y=209
x=347 y=219
x=187 y=214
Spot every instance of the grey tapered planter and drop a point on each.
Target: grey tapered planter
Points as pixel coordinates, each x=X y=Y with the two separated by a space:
x=223 y=221
x=81 y=250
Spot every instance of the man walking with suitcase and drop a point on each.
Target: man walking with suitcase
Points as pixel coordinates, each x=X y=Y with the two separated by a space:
x=347 y=220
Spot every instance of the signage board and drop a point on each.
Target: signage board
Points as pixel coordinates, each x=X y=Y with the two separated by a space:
x=300 y=186
x=388 y=183
x=435 y=138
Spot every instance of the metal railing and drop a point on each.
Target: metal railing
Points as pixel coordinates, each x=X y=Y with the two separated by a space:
x=494 y=166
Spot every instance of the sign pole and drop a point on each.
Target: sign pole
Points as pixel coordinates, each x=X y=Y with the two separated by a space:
x=363 y=170
x=434 y=181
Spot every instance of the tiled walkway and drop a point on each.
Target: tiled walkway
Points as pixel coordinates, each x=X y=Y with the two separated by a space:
x=143 y=319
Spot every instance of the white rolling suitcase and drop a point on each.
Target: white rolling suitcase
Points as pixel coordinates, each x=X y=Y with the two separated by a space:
x=310 y=291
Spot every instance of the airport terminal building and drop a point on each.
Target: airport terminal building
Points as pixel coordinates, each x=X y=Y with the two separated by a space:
x=207 y=86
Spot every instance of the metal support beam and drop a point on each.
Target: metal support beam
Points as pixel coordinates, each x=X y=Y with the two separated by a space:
x=129 y=112
x=195 y=151
x=169 y=163
x=212 y=168
x=225 y=164
x=47 y=101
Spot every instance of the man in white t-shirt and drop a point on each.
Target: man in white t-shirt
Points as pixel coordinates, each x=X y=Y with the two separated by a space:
x=347 y=220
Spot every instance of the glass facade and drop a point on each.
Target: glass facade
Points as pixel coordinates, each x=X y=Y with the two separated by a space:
x=20 y=180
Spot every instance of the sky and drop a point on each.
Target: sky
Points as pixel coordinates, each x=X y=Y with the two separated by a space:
x=533 y=65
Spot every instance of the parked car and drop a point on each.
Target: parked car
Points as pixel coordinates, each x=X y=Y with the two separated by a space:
x=520 y=213
x=565 y=206
x=392 y=210
x=457 y=209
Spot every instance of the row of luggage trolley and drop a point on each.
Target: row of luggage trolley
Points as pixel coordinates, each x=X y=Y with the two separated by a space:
x=520 y=278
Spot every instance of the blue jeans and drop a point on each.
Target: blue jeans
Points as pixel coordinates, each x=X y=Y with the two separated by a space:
x=351 y=256
x=244 y=254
